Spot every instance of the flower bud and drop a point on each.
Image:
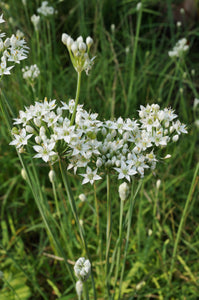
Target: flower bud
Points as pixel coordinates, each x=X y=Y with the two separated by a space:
x=139 y=6
x=89 y=41
x=69 y=42
x=29 y=129
x=104 y=131
x=79 y=287
x=175 y=138
x=112 y=28
x=74 y=47
x=64 y=38
x=38 y=139
x=79 y=39
x=82 y=197
x=37 y=122
x=24 y=174
x=167 y=156
x=158 y=183
x=82 y=47
x=123 y=191
x=51 y=176
x=99 y=162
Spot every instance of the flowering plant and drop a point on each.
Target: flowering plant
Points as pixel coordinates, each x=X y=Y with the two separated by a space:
x=68 y=134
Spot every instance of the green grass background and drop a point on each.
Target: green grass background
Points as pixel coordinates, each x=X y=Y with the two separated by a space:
x=114 y=88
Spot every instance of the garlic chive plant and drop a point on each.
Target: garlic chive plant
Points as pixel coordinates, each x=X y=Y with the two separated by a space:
x=76 y=140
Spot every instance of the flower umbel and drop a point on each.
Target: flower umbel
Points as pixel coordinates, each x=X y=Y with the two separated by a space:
x=79 y=52
x=82 y=269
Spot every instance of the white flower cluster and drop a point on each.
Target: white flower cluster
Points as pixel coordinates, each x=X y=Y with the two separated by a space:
x=82 y=269
x=125 y=146
x=12 y=49
x=31 y=72
x=45 y=10
x=180 y=48
x=79 y=51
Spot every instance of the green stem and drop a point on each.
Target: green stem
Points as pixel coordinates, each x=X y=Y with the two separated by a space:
x=108 y=234
x=39 y=60
x=74 y=211
x=182 y=222
x=130 y=211
x=119 y=244
x=175 y=77
x=85 y=291
x=131 y=84
x=35 y=186
x=97 y=211
x=62 y=227
x=76 y=98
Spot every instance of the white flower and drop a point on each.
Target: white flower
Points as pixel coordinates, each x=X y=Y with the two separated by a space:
x=82 y=268
x=90 y=176
x=4 y=70
x=125 y=171
x=45 y=151
x=20 y=139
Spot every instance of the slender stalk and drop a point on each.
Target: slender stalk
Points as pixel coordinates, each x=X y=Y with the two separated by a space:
x=62 y=227
x=33 y=182
x=130 y=211
x=85 y=291
x=175 y=77
x=38 y=59
x=50 y=51
x=108 y=233
x=74 y=211
x=119 y=244
x=182 y=222
x=77 y=97
x=97 y=211
x=131 y=83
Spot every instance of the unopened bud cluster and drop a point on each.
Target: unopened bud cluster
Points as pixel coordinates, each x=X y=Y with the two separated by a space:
x=79 y=52
x=82 y=269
